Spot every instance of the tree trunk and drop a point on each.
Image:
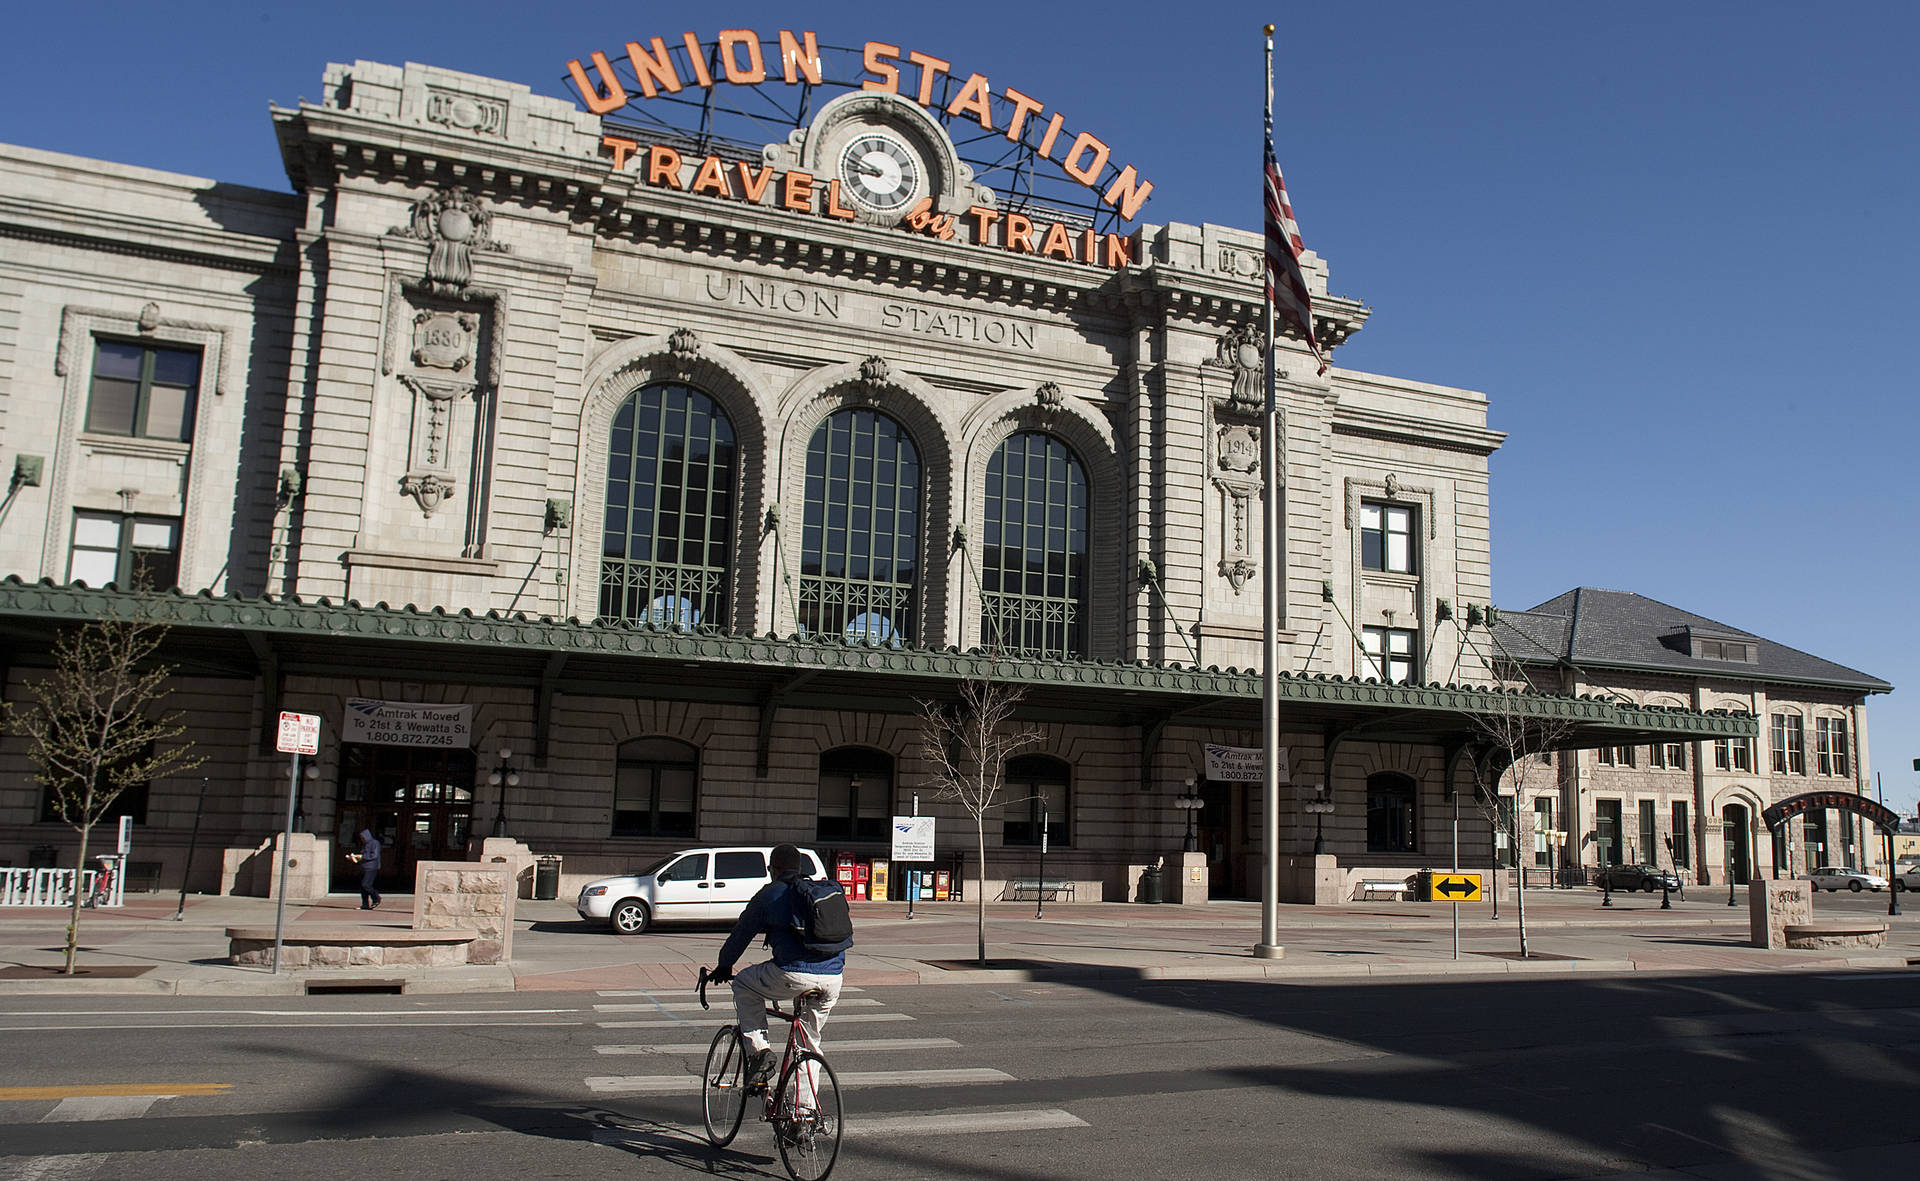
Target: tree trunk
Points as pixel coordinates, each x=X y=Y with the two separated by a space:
x=980 y=883
x=73 y=924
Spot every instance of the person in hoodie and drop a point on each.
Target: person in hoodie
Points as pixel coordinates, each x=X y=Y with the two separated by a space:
x=368 y=858
x=792 y=970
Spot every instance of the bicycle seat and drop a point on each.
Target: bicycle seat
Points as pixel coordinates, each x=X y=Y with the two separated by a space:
x=810 y=996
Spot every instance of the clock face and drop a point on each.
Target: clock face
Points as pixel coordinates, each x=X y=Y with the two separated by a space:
x=878 y=171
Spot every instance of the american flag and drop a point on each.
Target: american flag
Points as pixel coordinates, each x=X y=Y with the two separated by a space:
x=1286 y=282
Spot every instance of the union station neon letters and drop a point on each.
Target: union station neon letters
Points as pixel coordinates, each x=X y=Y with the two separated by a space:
x=742 y=63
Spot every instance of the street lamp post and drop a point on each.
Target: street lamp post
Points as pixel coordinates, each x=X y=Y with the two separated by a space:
x=503 y=777
x=1320 y=807
x=1190 y=802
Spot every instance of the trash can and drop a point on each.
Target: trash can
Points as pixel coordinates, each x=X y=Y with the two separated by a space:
x=546 y=878
x=1150 y=884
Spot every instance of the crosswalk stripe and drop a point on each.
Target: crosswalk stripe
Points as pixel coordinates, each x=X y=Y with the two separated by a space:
x=99 y=1107
x=54 y=1168
x=690 y=1084
x=694 y=1006
x=845 y=989
x=962 y=1122
x=929 y=1124
x=717 y=1018
x=87 y=1090
x=840 y=1046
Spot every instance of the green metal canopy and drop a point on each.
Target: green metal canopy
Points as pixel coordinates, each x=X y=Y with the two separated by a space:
x=239 y=637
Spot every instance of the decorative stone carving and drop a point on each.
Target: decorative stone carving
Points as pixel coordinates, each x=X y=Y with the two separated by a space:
x=444 y=340
x=876 y=374
x=1392 y=485
x=430 y=490
x=439 y=396
x=478 y=115
x=149 y=317
x=1237 y=571
x=683 y=348
x=1048 y=399
x=456 y=223
x=1239 y=450
x=1239 y=351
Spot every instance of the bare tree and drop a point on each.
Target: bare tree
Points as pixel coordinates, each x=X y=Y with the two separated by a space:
x=968 y=743
x=93 y=729
x=1508 y=745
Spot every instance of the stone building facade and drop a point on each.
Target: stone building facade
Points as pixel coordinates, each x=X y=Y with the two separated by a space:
x=659 y=488
x=1695 y=807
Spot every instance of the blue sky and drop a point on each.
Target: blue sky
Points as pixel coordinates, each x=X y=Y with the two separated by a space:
x=1673 y=243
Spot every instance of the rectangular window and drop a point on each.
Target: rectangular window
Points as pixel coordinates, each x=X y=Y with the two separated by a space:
x=1542 y=825
x=126 y=551
x=143 y=391
x=1682 y=837
x=1603 y=757
x=1669 y=755
x=1789 y=745
x=653 y=800
x=1830 y=734
x=852 y=807
x=1387 y=538
x=1814 y=847
x=1392 y=654
x=1649 y=834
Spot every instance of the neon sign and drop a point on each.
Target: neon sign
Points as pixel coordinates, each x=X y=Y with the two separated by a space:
x=741 y=61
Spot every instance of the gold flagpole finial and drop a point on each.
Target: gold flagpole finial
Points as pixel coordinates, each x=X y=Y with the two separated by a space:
x=1269 y=30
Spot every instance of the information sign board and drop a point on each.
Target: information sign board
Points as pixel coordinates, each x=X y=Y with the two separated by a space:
x=913 y=838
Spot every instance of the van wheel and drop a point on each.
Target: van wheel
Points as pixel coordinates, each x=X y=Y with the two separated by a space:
x=632 y=918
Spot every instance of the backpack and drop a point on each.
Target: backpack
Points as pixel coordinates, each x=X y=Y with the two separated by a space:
x=820 y=916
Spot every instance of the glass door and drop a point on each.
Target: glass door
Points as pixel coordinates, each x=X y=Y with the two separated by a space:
x=417 y=800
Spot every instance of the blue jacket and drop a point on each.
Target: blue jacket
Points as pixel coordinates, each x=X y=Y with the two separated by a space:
x=770 y=912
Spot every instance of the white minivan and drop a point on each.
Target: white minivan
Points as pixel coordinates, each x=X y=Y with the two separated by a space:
x=692 y=885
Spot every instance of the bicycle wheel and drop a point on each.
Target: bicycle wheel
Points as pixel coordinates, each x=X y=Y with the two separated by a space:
x=807 y=1118
x=723 y=1085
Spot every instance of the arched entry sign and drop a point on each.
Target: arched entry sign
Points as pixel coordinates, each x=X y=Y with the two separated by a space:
x=1883 y=817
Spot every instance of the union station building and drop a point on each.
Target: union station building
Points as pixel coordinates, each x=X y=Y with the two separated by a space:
x=608 y=488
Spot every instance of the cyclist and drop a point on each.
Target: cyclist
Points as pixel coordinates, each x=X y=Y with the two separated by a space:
x=794 y=968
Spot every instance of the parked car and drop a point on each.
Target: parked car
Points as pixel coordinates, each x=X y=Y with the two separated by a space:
x=692 y=885
x=1907 y=879
x=1843 y=877
x=1636 y=877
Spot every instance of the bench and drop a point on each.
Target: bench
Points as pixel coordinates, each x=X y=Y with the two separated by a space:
x=1836 y=933
x=1391 y=887
x=1037 y=889
x=311 y=945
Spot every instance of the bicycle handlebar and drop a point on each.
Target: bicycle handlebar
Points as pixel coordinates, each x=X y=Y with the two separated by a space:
x=702 y=987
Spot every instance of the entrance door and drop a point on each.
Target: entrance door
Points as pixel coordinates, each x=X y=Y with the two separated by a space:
x=1215 y=836
x=1737 y=835
x=1606 y=831
x=417 y=800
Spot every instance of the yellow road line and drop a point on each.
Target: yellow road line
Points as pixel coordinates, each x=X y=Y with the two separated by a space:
x=100 y=1089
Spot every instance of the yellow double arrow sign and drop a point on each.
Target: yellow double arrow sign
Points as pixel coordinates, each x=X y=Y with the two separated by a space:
x=1456 y=887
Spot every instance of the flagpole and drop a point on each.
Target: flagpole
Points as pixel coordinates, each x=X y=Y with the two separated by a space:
x=1272 y=586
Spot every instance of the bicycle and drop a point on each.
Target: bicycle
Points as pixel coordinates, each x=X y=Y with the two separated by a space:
x=804 y=1108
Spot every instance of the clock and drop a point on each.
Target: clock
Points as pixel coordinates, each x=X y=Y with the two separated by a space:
x=879 y=172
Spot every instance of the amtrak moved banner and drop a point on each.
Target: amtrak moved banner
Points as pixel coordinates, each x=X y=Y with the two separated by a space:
x=407 y=723
x=1241 y=764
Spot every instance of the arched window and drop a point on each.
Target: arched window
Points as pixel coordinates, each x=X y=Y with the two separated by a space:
x=1390 y=814
x=1033 y=564
x=1030 y=782
x=856 y=794
x=667 y=549
x=656 y=785
x=860 y=541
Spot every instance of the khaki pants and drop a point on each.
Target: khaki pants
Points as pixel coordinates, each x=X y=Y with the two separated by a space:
x=753 y=987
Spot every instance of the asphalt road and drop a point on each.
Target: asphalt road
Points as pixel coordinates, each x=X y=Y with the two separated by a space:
x=1733 y=1075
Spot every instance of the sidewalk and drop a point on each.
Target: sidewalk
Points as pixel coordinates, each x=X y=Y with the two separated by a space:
x=142 y=949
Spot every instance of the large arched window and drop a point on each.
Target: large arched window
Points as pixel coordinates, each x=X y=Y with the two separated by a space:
x=667 y=548
x=856 y=794
x=1037 y=787
x=1390 y=814
x=656 y=785
x=860 y=541
x=1033 y=565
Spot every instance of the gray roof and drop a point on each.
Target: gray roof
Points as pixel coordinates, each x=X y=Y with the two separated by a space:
x=1597 y=628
